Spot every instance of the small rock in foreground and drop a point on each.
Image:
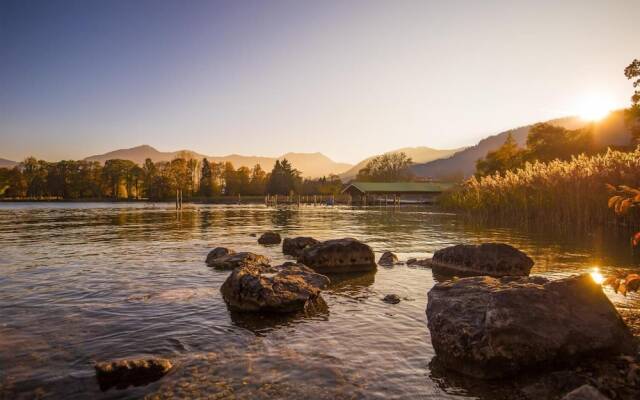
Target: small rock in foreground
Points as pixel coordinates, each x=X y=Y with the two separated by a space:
x=137 y=372
x=269 y=238
x=388 y=259
x=391 y=299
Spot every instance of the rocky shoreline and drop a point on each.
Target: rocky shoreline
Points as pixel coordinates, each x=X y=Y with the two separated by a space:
x=560 y=339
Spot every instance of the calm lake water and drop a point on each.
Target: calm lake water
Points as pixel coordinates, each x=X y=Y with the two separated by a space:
x=85 y=282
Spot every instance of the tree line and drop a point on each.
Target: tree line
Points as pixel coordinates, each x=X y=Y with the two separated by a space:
x=125 y=180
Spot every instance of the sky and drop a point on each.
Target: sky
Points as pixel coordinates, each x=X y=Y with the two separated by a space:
x=348 y=78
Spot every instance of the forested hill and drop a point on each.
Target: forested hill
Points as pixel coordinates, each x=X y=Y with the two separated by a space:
x=610 y=131
x=311 y=165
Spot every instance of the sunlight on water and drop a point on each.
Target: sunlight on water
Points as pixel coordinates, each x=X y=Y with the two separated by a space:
x=87 y=282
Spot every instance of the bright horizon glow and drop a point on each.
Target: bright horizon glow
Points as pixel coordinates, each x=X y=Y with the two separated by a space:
x=595 y=107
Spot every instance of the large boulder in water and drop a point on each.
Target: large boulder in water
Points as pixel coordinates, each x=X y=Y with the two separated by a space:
x=270 y=238
x=136 y=372
x=339 y=255
x=222 y=258
x=294 y=246
x=286 y=288
x=493 y=259
x=495 y=327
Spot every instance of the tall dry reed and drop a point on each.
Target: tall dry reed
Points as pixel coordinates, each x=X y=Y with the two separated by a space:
x=563 y=194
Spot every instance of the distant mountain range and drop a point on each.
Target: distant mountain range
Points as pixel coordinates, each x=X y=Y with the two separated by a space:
x=417 y=154
x=611 y=131
x=448 y=164
x=310 y=164
x=4 y=163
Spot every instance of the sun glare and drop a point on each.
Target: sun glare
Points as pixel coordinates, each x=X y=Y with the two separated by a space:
x=597 y=276
x=594 y=108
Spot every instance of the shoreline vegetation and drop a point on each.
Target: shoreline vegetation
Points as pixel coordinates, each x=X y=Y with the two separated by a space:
x=571 y=194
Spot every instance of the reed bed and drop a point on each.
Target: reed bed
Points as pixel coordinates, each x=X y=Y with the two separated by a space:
x=563 y=194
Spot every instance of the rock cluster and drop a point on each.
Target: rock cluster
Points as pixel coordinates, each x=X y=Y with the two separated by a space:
x=136 y=372
x=338 y=256
x=281 y=289
x=495 y=327
x=492 y=259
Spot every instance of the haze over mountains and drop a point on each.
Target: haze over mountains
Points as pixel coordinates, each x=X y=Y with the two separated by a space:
x=611 y=131
x=311 y=165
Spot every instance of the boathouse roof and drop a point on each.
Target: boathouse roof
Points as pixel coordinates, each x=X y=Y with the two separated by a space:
x=397 y=187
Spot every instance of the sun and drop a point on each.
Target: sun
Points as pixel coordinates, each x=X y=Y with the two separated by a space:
x=594 y=107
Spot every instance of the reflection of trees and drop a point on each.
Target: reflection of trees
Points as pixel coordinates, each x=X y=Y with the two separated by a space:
x=285 y=217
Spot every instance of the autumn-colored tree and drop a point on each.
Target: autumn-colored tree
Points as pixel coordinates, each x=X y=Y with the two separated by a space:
x=389 y=167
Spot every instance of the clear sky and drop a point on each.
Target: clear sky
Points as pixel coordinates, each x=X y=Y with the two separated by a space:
x=347 y=78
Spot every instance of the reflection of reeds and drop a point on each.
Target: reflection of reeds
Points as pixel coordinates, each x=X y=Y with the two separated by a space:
x=569 y=194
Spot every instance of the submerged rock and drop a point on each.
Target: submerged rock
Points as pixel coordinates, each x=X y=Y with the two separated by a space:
x=294 y=246
x=230 y=260
x=286 y=288
x=585 y=392
x=137 y=372
x=339 y=255
x=269 y=238
x=495 y=327
x=493 y=259
x=423 y=263
x=388 y=259
x=391 y=299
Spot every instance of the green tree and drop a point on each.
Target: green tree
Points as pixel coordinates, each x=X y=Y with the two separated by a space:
x=284 y=179
x=206 y=179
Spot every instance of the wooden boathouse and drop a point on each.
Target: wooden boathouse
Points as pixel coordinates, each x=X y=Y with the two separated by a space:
x=394 y=192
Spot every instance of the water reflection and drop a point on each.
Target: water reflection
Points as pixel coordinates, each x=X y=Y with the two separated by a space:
x=85 y=282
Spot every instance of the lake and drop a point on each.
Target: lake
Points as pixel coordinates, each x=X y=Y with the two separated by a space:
x=85 y=282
